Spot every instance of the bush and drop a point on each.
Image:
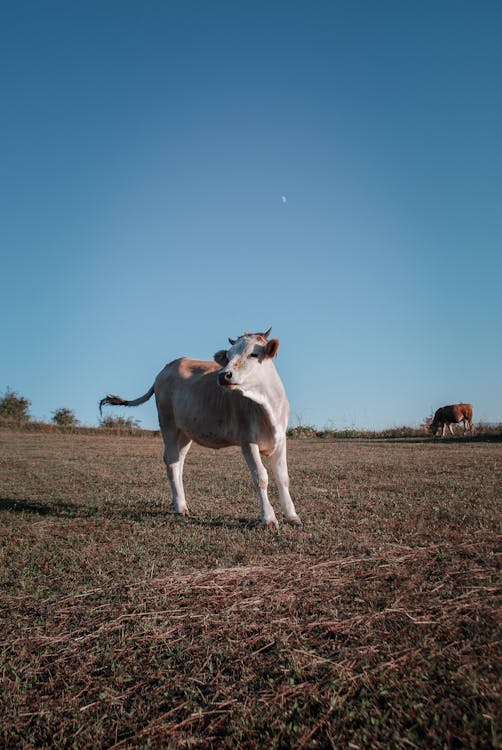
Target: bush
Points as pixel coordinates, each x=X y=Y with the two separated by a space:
x=302 y=431
x=14 y=407
x=65 y=417
x=119 y=423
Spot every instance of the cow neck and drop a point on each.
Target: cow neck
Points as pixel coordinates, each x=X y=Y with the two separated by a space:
x=272 y=394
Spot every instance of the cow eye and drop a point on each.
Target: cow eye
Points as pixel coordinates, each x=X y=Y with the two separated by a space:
x=253 y=354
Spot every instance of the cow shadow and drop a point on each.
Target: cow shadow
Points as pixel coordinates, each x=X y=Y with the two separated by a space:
x=59 y=508
x=66 y=510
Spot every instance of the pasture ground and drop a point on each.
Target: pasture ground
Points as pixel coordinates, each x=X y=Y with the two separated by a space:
x=376 y=625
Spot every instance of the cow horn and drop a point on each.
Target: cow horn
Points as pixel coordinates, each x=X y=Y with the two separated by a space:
x=232 y=341
x=267 y=333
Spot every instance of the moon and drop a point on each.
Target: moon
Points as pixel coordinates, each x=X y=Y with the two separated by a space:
x=284 y=199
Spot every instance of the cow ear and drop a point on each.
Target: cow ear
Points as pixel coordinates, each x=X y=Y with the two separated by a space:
x=221 y=357
x=232 y=341
x=272 y=348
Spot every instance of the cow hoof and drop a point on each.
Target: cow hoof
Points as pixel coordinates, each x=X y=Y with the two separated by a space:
x=272 y=525
x=294 y=521
x=184 y=513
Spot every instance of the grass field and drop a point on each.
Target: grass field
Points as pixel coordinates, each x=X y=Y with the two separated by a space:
x=376 y=625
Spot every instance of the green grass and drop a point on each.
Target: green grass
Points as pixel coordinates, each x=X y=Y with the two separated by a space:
x=377 y=624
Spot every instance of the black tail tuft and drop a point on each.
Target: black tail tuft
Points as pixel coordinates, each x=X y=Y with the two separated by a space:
x=114 y=400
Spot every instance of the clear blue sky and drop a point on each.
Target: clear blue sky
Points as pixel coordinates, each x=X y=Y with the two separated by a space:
x=145 y=151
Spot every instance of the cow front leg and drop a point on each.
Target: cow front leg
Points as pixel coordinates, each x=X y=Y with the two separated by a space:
x=174 y=458
x=259 y=476
x=279 y=466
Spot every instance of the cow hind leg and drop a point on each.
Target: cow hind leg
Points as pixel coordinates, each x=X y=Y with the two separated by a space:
x=259 y=476
x=279 y=466
x=176 y=448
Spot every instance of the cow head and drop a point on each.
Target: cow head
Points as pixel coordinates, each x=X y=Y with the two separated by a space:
x=433 y=427
x=242 y=364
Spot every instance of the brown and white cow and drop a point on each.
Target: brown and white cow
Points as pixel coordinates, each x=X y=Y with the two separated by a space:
x=445 y=416
x=238 y=399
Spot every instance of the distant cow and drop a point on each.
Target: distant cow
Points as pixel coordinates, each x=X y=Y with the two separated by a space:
x=238 y=399
x=452 y=414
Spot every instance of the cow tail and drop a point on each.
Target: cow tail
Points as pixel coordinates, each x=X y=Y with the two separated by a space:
x=117 y=401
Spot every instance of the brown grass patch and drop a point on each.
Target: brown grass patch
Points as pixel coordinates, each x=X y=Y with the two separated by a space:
x=376 y=625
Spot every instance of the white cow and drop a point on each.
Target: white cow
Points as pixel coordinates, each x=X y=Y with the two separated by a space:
x=237 y=400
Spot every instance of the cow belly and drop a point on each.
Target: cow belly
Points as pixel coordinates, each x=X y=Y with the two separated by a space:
x=209 y=433
x=209 y=440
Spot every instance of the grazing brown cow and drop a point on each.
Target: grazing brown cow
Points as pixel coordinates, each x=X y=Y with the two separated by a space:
x=237 y=400
x=445 y=416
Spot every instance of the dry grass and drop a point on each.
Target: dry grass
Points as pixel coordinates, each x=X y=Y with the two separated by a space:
x=376 y=625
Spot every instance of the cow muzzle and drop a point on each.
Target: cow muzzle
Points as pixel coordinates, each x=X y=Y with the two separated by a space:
x=225 y=378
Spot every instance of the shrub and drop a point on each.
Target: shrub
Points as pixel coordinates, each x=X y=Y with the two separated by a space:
x=302 y=431
x=119 y=423
x=65 y=417
x=14 y=407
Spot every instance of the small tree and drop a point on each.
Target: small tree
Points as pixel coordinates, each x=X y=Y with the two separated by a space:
x=14 y=407
x=119 y=423
x=64 y=417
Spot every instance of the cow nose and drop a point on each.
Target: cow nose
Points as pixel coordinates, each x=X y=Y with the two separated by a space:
x=224 y=377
